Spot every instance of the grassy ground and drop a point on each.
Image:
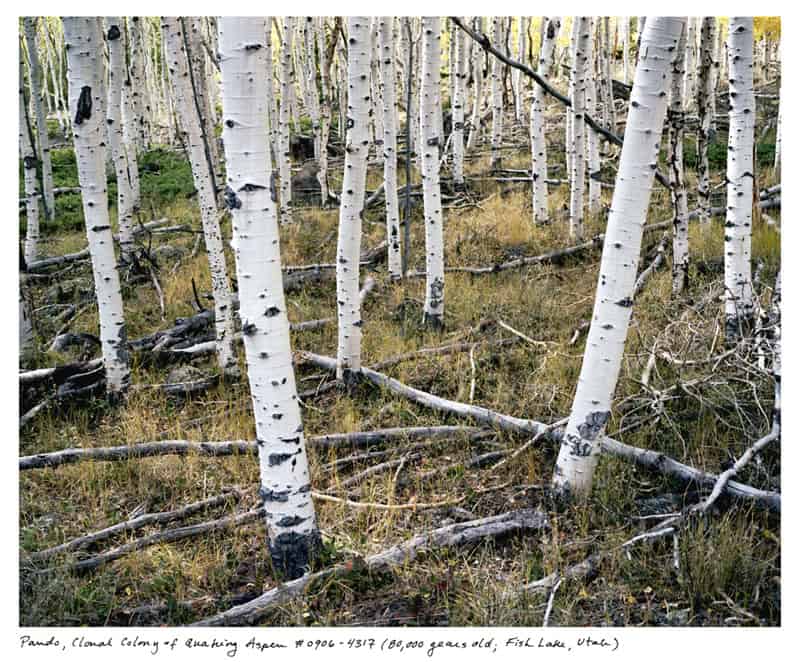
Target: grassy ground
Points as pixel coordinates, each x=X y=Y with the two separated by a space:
x=730 y=564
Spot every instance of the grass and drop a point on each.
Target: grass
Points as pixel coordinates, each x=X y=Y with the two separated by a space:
x=729 y=565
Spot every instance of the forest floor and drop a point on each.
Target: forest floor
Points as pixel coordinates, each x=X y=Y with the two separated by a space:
x=729 y=562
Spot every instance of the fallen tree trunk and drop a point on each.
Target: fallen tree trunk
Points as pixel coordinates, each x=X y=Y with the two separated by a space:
x=453 y=535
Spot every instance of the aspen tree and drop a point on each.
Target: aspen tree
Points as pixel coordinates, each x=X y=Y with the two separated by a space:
x=433 y=313
x=580 y=60
x=606 y=80
x=272 y=102
x=602 y=359
x=284 y=153
x=516 y=74
x=690 y=64
x=569 y=125
x=457 y=107
x=42 y=140
x=626 y=48
x=115 y=37
x=386 y=53
x=593 y=67
x=739 y=208
x=324 y=111
x=352 y=200
x=552 y=26
x=477 y=95
x=201 y=171
x=705 y=112
x=680 y=205
x=497 y=95
x=140 y=119
x=28 y=156
x=376 y=86
x=84 y=44
x=294 y=538
x=777 y=162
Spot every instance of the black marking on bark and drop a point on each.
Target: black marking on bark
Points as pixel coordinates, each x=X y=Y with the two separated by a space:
x=114 y=33
x=276 y=459
x=627 y=302
x=273 y=496
x=231 y=201
x=290 y=520
x=290 y=440
x=272 y=311
x=252 y=187
x=293 y=552
x=252 y=47
x=84 y=111
x=29 y=162
x=248 y=329
x=100 y=228
x=591 y=428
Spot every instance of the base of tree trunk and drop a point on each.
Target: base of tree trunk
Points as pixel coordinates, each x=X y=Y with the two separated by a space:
x=293 y=554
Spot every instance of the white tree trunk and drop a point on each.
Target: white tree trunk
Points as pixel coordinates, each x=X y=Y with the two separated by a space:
x=680 y=206
x=593 y=68
x=739 y=216
x=115 y=37
x=324 y=111
x=84 y=45
x=518 y=81
x=352 y=200
x=291 y=522
x=606 y=79
x=477 y=96
x=433 y=313
x=705 y=111
x=140 y=120
x=591 y=408
x=497 y=95
x=569 y=124
x=538 y=129
x=386 y=57
x=459 y=101
x=579 y=72
x=42 y=140
x=690 y=64
x=284 y=152
x=626 y=48
x=31 y=249
x=192 y=132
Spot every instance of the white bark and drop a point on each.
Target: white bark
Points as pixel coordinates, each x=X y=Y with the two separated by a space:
x=386 y=56
x=352 y=198
x=459 y=101
x=518 y=81
x=690 y=64
x=284 y=154
x=324 y=110
x=25 y=325
x=626 y=48
x=602 y=358
x=115 y=37
x=739 y=216
x=139 y=118
x=291 y=522
x=272 y=102
x=538 y=130
x=593 y=68
x=192 y=133
x=497 y=94
x=705 y=111
x=84 y=45
x=680 y=205
x=43 y=142
x=31 y=249
x=579 y=73
x=477 y=95
x=433 y=312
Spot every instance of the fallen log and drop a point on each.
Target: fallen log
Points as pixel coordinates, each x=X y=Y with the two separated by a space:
x=453 y=535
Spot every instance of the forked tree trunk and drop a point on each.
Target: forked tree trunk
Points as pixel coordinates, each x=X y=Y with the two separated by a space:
x=115 y=36
x=580 y=61
x=538 y=129
x=201 y=172
x=680 y=206
x=84 y=45
x=291 y=522
x=459 y=101
x=739 y=216
x=591 y=408
x=433 y=312
x=28 y=156
x=284 y=152
x=352 y=199
x=42 y=140
x=386 y=54
x=705 y=112
x=497 y=95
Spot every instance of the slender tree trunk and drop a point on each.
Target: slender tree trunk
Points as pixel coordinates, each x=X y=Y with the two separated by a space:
x=284 y=151
x=626 y=48
x=115 y=36
x=201 y=171
x=690 y=64
x=272 y=108
x=580 y=62
x=680 y=206
x=433 y=313
x=352 y=202
x=705 y=111
x=497 y=95
x=84 y=45
x=137 y=74
x=739 y=216
x=386 y=57
x=43 y=142
x=28 y=156
x=294 y=539
x=459 y=101
x=516 y=74
x=606 y=79
x=538 y=129
x=593 y=67
x=591 y=408
x=477 y=68
x=324 y=110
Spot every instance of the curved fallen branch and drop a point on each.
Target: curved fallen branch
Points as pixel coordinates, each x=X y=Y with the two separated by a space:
x=519 y=521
